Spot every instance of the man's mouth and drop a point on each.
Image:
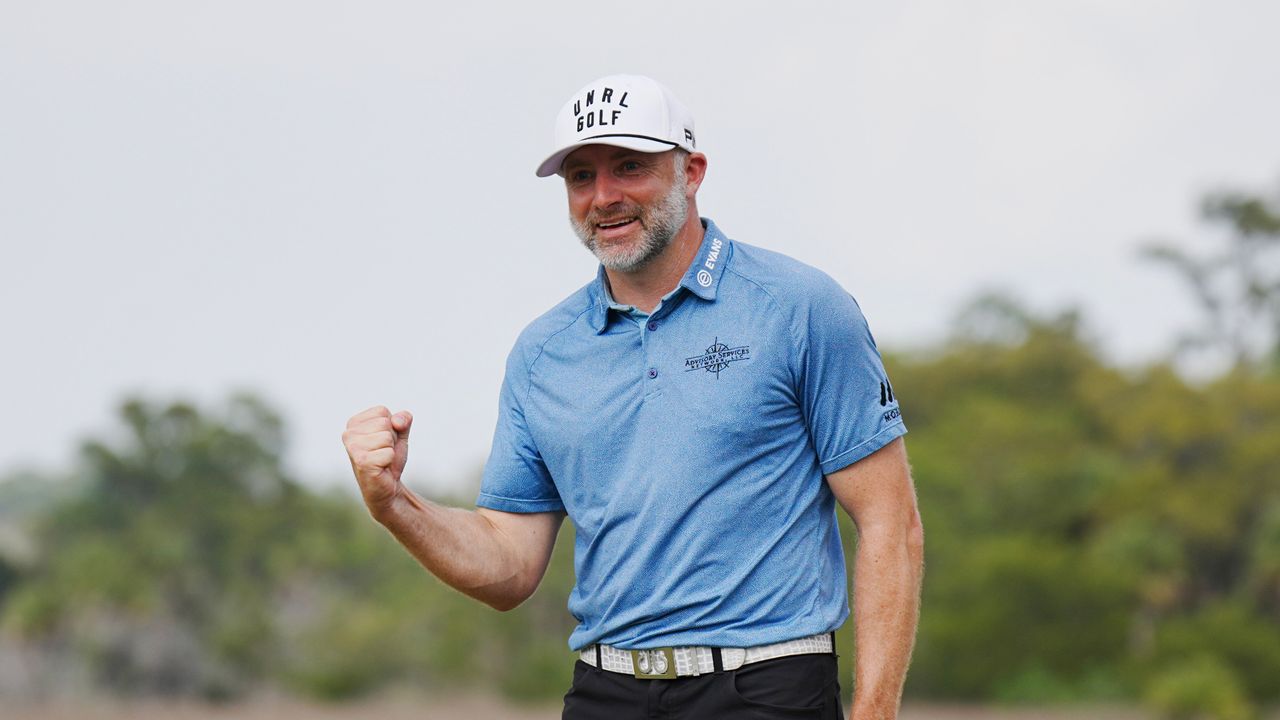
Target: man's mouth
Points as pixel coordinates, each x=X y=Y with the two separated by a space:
x=611 y=224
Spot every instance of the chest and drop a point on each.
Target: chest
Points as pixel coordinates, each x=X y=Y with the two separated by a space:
x=696 y=375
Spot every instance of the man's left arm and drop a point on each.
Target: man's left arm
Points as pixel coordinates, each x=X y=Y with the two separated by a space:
x=878 y=494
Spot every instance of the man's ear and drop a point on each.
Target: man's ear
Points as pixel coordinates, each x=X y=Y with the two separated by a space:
x=695 y=169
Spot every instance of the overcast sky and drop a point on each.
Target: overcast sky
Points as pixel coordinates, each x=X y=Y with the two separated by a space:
x=334 y=204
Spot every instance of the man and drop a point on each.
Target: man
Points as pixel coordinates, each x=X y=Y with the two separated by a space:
x=697 y=411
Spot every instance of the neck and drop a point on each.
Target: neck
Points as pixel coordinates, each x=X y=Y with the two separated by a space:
x=645 y=286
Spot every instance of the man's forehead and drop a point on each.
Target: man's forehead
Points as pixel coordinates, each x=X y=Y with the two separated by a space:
x=588 y=154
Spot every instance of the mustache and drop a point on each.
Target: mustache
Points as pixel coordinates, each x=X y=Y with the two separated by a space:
x=614 y=213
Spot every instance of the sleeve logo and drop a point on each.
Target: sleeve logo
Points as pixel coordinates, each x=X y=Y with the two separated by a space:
x=886 y=397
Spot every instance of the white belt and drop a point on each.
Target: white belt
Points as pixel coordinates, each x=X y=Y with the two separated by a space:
x=689 y=661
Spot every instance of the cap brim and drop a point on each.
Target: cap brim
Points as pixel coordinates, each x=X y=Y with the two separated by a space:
x=551 y=166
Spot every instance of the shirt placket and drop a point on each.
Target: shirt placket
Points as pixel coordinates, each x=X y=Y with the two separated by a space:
x=652 y=343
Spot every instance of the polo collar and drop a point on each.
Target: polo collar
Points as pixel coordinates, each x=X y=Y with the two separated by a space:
x=702 y=278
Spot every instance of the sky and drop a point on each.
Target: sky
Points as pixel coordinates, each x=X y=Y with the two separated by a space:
x=334 y=204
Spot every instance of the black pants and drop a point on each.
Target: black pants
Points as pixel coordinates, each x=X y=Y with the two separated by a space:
x=795 y=687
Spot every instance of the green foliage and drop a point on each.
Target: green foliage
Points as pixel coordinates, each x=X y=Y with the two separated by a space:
x=1016 y=604
x=1038 y=685
x=1201 y=688
x=9 y=577
x=1232 y=632
x=190 y=564
x=1087 y=527
x=161 y=570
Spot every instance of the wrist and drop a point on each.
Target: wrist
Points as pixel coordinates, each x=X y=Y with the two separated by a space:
x=385 y=509
x=869 y=709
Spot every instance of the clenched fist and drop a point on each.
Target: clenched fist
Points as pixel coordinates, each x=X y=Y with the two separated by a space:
x=378 y=444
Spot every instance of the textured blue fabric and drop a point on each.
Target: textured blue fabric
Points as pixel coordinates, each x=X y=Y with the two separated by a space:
x=689 y=449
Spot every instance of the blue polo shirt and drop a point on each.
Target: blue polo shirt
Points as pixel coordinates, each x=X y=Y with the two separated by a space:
x=688 y=448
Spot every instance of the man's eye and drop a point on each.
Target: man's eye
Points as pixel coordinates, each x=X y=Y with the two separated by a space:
x=630 y=166
x=579 y=176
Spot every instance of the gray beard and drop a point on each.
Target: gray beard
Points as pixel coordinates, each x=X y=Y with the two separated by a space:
x=659 y=225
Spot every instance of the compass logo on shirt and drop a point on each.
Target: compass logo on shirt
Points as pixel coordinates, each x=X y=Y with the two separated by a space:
x=717 y=357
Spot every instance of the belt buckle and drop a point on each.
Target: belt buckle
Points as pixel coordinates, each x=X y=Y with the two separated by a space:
x=655 y=664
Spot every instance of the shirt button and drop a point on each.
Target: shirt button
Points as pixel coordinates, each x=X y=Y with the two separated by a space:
x=653 y=325
x=653 y=373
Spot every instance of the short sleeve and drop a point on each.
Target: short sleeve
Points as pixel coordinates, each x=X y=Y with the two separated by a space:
x=515 y=477
x=849 y=404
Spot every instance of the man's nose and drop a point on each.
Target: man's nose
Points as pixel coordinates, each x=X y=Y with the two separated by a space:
x=607 y=191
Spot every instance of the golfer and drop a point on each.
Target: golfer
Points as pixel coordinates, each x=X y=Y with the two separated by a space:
x=697 y=410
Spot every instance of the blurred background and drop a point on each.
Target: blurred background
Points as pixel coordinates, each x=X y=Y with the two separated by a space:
x=228 y=227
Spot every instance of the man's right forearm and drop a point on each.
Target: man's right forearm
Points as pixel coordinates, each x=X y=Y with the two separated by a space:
x=495 y=557
x=463 y=548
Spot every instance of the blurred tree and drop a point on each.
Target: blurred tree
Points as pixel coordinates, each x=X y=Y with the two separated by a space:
x=160 y=570
x=191 y=564
x=1012 y=461
x=1087 y=525
x=1238 y=287
x=1199 y=687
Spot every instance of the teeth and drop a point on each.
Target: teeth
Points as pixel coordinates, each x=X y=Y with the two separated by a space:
x=616 y=224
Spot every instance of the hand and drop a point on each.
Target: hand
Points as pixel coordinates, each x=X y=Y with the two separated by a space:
x=378 y=444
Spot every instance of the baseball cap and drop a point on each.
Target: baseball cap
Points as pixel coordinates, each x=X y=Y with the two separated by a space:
x=630 y=111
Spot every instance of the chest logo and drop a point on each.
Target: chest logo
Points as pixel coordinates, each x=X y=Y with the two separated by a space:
x=717 y=357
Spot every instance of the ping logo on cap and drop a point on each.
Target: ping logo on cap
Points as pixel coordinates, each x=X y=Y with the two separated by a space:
x=598 y=117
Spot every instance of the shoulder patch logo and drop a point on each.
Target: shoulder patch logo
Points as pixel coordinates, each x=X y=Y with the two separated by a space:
x=886 y=393
x=717 y=357
x=886 y=397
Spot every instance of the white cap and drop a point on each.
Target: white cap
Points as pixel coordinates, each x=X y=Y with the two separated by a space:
x=630 y=111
